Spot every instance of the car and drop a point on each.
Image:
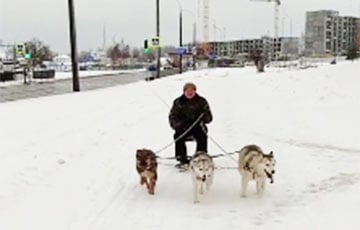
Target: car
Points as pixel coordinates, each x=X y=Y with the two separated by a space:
x=168 y=66
x=151 y=68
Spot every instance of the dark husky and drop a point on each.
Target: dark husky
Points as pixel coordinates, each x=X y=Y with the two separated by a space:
x=146 y=166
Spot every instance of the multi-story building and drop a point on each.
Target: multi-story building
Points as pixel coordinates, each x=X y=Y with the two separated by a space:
x=328 y=33
x=270 y=47
x=358 y=32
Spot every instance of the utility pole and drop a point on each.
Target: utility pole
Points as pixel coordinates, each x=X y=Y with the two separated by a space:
x=181 y=32
x=104 y=38
x=180 y=40
x=158 y=35
x=74 y=57
x=194 y=48
x=224 y=31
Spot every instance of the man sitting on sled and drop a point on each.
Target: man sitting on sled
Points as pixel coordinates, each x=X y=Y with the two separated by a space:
x=188 y=116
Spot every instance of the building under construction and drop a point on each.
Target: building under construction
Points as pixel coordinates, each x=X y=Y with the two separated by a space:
x=328 y=33
x=271 y=48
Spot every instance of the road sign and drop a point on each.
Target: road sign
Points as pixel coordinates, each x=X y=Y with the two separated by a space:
x=155 y=42
x=181 y=50
x=212 y=55
x=20 y=49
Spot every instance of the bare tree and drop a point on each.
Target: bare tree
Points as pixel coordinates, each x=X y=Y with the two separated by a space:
x=39 y=51
x=83 y=55
x=135 y=53
x=114 y=53
x=125 y=52
x=168 y=49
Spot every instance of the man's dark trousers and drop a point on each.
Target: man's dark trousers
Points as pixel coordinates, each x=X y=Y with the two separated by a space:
x=198 y=132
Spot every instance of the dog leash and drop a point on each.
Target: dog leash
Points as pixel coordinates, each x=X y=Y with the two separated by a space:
x=219 y=146
x=225 y=168
x=182 y=135
x=229 y=154
x=216 y=167
x=212 y=156
x=165 y=158
x=221 y=154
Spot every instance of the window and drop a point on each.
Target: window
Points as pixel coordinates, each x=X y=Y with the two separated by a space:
x=328 y=45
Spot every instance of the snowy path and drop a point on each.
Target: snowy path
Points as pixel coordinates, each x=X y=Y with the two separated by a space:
x=69 y=164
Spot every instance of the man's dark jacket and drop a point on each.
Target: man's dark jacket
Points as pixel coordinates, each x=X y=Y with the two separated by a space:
x=185 y=112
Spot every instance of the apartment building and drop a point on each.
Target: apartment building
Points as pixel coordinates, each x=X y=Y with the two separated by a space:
x=272 y=48
x=328 y=33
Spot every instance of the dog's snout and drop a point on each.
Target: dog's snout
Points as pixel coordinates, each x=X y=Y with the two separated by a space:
x=273 y=172
x=142 y=163
x=204 y=178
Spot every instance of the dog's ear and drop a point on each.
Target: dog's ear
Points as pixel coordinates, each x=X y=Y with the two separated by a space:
x=138 y=152
x=152 y=153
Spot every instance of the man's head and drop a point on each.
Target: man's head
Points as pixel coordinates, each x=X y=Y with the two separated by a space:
x=189 y=90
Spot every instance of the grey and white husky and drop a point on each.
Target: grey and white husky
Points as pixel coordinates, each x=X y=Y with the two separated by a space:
x=255 y=165
x=202 y=170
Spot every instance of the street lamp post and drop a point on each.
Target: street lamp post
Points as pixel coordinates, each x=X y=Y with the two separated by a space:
x=158 y=35
x=74 y=57
x=221 y=32
x=290 y=30
x=221 y=35
x=214 y=25
x=180 y=40
x=180 y=35
x=290 y=24
x=194 y=36
x=181 y=10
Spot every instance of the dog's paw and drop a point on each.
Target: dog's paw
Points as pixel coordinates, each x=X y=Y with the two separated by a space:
x=151 y=190
x=243 y=195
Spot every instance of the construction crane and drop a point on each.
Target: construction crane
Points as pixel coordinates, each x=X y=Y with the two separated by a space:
x=276 y=19
x=206 y=18
x=205 y=10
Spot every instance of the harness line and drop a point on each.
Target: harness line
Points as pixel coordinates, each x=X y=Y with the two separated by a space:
x=186 y=131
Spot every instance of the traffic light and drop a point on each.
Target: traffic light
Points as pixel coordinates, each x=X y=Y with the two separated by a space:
x=146 y=47
x=20 y=49
x=28 y=56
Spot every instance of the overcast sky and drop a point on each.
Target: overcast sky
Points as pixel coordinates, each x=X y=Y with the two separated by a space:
x=134 y=20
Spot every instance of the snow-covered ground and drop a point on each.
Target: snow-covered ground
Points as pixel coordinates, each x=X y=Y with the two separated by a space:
x=89 y=73
x=67 y=161
x=68 y=75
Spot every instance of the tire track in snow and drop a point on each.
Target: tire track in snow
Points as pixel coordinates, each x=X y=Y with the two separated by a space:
x=319 y=146
x=128 y=205
x=305 y=197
